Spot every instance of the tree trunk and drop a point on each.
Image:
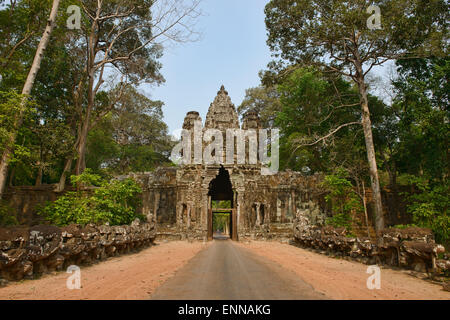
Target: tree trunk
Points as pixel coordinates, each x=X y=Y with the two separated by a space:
x=39 y=177
x=40 y=173
x=367 y=127
x=4 y=169
x=81 y=149
x=392 y=171
x=26 y=91
x=365 y=208
x=62 y=181
x=11 y=176
x=82 y=142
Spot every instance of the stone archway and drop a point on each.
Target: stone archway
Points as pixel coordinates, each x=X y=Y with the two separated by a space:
x=221 y=190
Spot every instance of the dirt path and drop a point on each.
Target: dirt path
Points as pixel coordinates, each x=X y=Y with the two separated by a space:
x=133 y=277
x=341 y=279
x=225 y=271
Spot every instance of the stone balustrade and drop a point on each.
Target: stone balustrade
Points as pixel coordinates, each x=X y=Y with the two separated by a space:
x=29 y=251
x=410 y=248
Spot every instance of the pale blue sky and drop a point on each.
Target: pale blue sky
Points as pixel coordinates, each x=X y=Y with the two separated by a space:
x=231 y=52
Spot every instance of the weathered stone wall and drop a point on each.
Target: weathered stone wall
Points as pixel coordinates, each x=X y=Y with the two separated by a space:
x=411 y=248
x=25 y=200
x=394 y=206
x=177 y=199
x=269 y=203
x=29 y=251
x=159 y=200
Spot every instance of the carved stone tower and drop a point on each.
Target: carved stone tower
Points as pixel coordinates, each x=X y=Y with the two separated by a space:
x=222 y=113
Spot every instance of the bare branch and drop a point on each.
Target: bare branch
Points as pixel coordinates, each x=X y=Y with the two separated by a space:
x=16 y=46
x=331 y=133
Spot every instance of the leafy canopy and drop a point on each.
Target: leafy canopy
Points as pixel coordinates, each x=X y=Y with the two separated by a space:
x=343 y=199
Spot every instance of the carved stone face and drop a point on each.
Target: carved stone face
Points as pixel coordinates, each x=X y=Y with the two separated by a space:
x=190 y=119
x=251 y=121
x=222 y=113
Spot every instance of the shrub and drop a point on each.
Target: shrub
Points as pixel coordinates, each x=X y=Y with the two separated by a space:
x=429 y=208
x=342 y=198
x=114 y=202
x=405 y=226
x=340 y=220
x=7 y=218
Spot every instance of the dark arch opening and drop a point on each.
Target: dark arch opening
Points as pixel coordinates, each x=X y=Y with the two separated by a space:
x=221 y=188
x=221 y=193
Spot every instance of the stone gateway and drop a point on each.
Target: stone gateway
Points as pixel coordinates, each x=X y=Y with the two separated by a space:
x=183 y=200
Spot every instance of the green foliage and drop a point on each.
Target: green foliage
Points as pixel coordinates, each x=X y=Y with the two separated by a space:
x=114 y=202
x=341 y=195
x=223 y=204
x=319 y=31
x=220 y=220
x=133 y=137
x=311 y=108
x=117 y=202
x=24 y=157
x=340 y=220
x=333 y=35
x=7 y=218
x=21 y=23
x=343 y=199
x=422 y=105
x=404 y=226
x=87 y=179
x=10 y=107
x=429 y=207
x=263 y=100
x=313 y=104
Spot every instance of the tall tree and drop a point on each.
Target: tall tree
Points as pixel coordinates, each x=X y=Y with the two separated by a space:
x=312 y=106
x=124 y=38
x=422 y=107
x=265 y=101
x=21 y=23
x=28 y=86
x=334 y=35
x=132 y=137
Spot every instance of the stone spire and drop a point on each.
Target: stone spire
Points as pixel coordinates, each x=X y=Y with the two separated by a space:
x=190 y=119
x=222 y=113
x=222 y=90
x=251 y=120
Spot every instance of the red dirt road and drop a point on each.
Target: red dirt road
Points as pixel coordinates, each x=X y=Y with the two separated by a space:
x=225 y=271
x=345 y=280
x=128 y=277
x=137 y=276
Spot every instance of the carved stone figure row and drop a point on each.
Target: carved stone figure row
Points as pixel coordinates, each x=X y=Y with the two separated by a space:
x=410 y=248
x=28 y=251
